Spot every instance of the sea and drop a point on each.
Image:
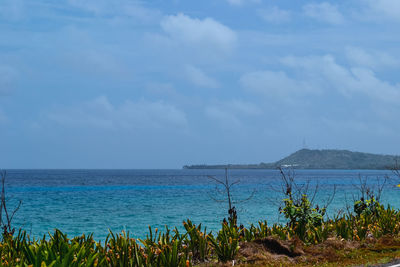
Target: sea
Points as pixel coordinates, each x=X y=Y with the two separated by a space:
x=98 y=201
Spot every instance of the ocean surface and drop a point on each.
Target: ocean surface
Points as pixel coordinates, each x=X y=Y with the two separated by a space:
x=93 y=201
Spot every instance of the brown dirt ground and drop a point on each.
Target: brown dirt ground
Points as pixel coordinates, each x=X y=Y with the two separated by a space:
x=332 y=252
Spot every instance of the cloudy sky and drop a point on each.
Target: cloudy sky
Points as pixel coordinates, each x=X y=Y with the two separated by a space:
x=160 y=84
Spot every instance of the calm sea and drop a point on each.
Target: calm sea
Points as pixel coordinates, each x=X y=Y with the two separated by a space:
x=93 y=201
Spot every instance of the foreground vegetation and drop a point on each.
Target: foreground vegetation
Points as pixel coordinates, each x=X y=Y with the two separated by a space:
x=368 y=233
x=372 y=234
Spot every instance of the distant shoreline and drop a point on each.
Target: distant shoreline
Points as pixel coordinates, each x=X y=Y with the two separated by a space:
x=308 y=159
x=212 y=167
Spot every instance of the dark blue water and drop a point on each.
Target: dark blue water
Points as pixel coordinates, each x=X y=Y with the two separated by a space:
x=85 y=201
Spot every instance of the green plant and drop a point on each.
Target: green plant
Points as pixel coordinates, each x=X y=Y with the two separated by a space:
x=369 y=207
x=388 y=221
x=60 y=251
x=301 y=215
x=166 y=249
x=343 y=227
x=121 y=250
x=304 y=220
x=197 y=241
x=226 y=243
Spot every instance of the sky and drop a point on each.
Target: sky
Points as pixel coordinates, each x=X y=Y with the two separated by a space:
x=160 y=84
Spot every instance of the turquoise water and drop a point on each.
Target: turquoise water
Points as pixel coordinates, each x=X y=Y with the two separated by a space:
x=86 y=201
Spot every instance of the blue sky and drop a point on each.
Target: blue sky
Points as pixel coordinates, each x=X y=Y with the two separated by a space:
x=160 y=84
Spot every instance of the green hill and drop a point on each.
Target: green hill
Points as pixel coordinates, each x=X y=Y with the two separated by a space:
x=318 y=159
x=336 y=159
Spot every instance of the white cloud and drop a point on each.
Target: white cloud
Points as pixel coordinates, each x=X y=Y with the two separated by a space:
x=222 y=116
x=275 y=15
x=365 y=81
x=317 y=75
x=371 y=59
x=387 y=8
x=324 y=12
x=272 y=83
x=128 y=115
x=193 y=31
x=325 y=73
x=93 y=60
x=199 y=78
x=244 y=108
x=231 y=113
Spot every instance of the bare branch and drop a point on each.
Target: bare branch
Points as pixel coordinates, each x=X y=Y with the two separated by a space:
x=227 y=186
x=234 y=183
x=216 y=180
x=330 y=199
x=295 y=190
x=15 y=210
x=315 y=193
x=246 y=199
x=215 y=199
x=7 y=226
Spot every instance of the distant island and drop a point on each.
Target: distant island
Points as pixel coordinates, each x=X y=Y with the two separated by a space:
x=318 y=159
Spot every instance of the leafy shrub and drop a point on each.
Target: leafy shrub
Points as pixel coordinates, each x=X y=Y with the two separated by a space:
x=369 y=207
x=302 y=216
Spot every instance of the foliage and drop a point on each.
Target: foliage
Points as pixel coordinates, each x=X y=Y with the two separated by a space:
x=197 y=241
x=226 y=243
x=305 y=220
x=192 y=246
x=368 y=207
x=302 y=216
